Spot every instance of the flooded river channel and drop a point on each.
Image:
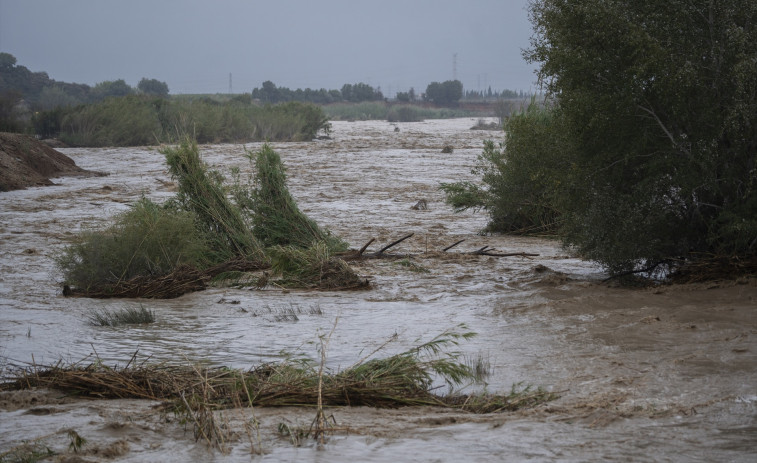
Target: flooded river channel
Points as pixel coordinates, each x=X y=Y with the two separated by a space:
x=655 y=374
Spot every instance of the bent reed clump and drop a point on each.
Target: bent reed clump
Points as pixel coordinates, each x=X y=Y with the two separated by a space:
x=206 y=231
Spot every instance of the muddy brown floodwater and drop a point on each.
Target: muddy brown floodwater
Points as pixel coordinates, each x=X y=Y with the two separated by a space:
x=661 y=374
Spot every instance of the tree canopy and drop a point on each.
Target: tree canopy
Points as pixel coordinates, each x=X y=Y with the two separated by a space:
x=654 y=122
x=152 y=87
x=447 y=93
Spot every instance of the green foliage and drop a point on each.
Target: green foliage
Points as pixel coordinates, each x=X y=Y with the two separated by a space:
x=521 y=177
x=141 y=119
x=127 y=121
x=312 y=267
x=373 y=110
x=111 y=88
x=659 y=101
x=359 y=92
x=404 y=113
x=275 y=217
x=447 y=93
x=218 y=220
x=146 y=240
x=127 y=316
x=153 y=87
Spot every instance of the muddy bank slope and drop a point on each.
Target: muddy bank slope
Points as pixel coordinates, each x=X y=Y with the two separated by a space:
x=26 y=162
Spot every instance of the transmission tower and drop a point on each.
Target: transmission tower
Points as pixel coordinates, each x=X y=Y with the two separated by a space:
x=454 y=66
x=229 y=83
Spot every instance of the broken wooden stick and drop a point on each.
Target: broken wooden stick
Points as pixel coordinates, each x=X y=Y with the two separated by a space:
x=365 y=246
x=390 y=245
x=452 y=246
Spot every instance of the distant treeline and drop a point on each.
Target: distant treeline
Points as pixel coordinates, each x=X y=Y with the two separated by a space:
x=354 y=93
x=447 y=93
x=114 y=113
x=41 y=92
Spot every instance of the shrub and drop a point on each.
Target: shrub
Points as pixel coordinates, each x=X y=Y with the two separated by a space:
x=146 y=240
x=521 y=176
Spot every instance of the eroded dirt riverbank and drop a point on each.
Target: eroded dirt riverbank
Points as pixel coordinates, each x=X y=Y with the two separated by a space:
x=660 y=374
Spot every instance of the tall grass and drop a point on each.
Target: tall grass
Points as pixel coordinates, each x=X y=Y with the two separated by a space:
x=140 y=120
x=127 y=316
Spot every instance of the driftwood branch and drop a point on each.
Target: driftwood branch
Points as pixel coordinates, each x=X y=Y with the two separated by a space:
x=504 y=254
x=452 y=246
x=365 y=246
x=390 y=245
x=381 y=253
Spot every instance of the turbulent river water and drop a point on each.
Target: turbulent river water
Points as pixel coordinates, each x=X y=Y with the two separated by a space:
x=657 y=374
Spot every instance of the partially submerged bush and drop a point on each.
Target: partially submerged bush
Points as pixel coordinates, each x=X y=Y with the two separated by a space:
x=313 y=267
x=127 y=316
x=148 y=239
x=163 y=252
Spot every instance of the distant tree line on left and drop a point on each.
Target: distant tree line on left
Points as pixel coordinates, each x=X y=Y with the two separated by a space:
x=23 y=93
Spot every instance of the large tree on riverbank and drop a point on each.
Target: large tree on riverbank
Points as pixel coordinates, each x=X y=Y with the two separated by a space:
x=647 y=152
x=660 y=101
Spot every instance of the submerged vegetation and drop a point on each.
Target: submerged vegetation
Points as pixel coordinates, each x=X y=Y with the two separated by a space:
x=127 y=316
x=208 y=231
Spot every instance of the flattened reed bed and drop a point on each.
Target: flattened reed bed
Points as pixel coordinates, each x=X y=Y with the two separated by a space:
x=399 y=380
x=388 y=383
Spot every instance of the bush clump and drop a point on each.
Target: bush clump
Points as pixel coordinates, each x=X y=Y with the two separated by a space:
x=147 y=240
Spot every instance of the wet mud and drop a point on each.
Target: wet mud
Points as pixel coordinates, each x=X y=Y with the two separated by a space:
x=667 y=373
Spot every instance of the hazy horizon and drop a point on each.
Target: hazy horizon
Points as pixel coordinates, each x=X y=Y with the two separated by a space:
x=196 y=46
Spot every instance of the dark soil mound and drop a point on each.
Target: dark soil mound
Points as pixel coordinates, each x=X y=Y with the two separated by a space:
x=26 y=162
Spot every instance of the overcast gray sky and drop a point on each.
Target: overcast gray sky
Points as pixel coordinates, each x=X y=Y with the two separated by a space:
x=195 y=45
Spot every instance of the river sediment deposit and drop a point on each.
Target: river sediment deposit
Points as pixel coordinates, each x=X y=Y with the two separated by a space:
x=666 y=373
